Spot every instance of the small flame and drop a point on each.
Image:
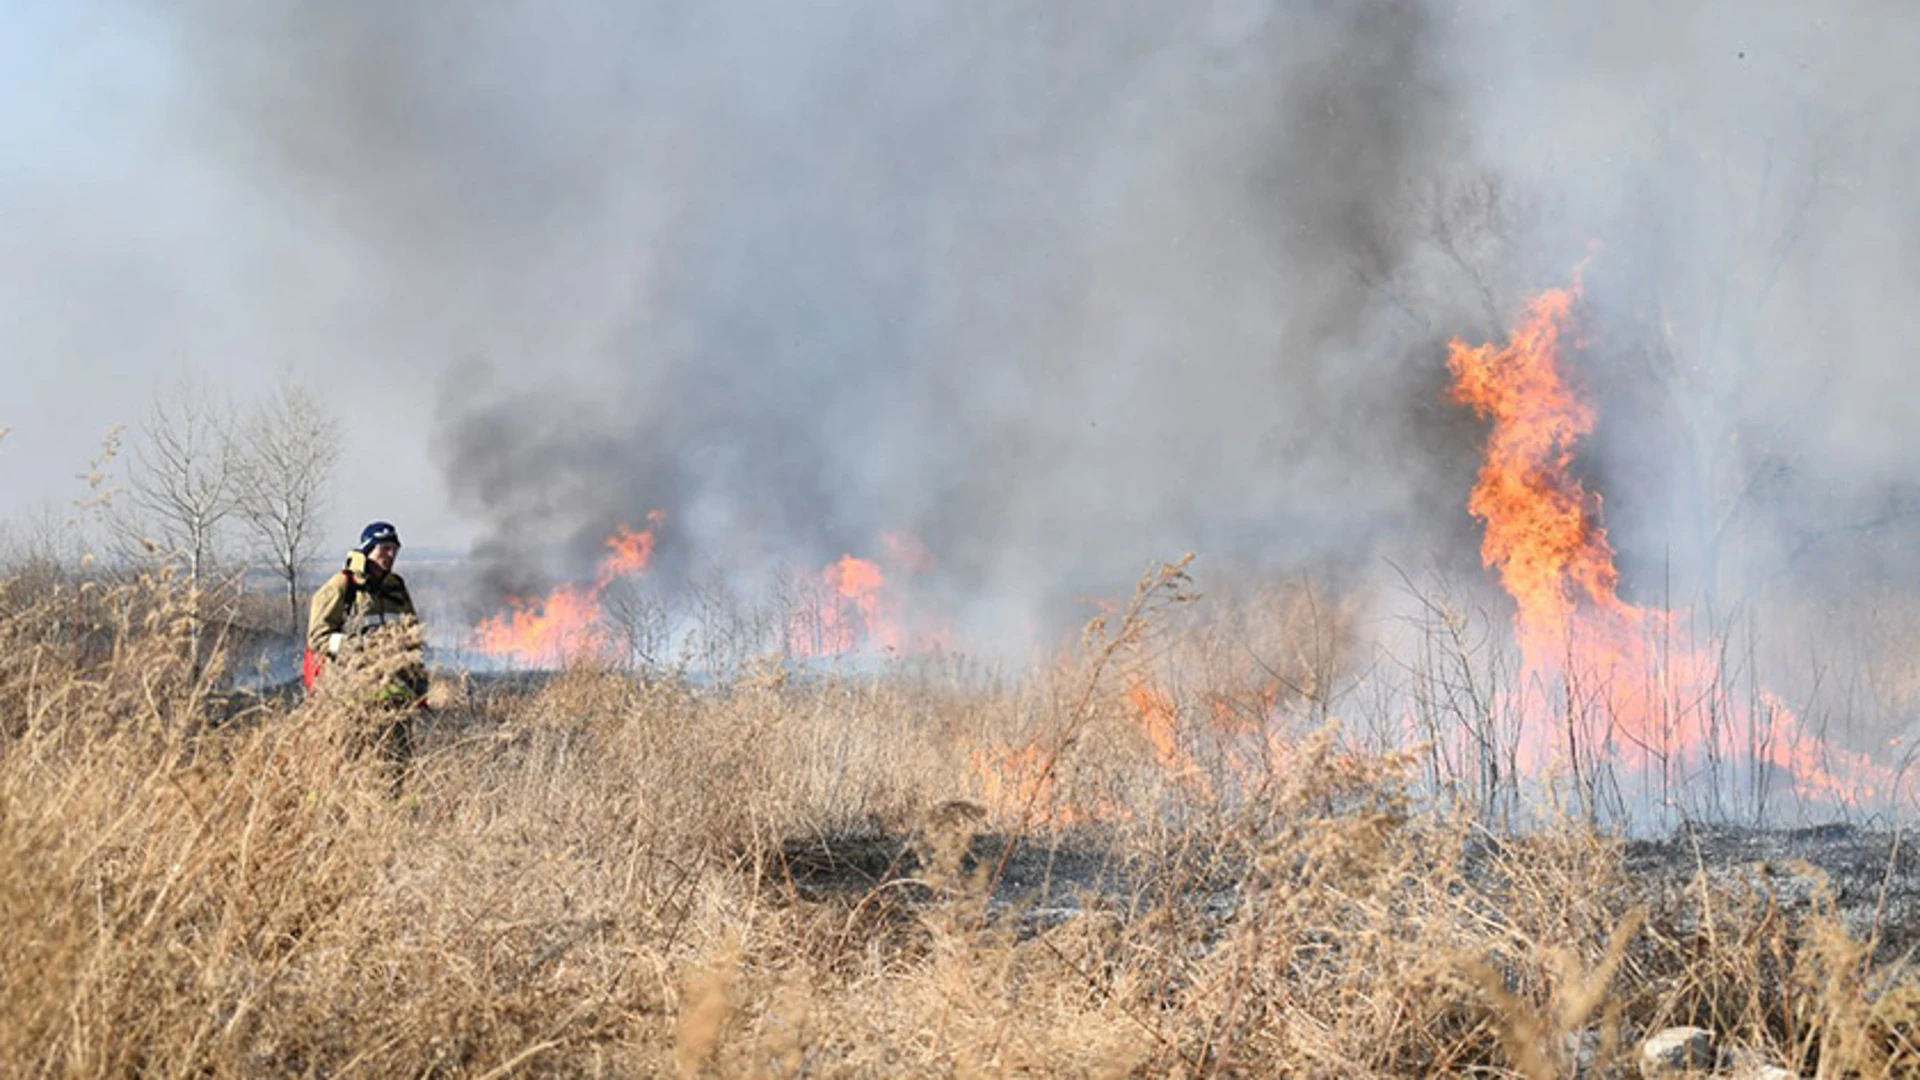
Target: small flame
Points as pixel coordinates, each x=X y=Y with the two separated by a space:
x=630 y=551
x=568 y=622
x=1016 y=784
x=856 y=604
x=904 y=550
x=1157 y=722
x=1819 y=770
x=1250 y=756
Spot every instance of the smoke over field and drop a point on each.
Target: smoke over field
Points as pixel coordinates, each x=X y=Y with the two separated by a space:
x=1528 y=380
x=1060 y=288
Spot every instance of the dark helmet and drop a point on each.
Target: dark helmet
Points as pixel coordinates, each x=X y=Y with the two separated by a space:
x=380 y=532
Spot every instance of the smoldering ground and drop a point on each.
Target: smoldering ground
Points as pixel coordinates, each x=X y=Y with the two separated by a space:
x=1060 y=288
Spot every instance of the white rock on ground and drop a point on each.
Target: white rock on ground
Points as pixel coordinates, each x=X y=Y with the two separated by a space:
x=1678 y=1051
x=1747 y=1065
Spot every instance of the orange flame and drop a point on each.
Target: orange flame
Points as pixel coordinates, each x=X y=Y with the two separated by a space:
x=1017 y=783
x=857 y=584
x=1157 y=722
x=847 y=606
x=568 y=621
x=854 y=604
x=1661 y=702
x=1542 y=529
x=631 y=552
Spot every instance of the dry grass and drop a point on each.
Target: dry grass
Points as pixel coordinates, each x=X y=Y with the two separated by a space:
x=587 y=880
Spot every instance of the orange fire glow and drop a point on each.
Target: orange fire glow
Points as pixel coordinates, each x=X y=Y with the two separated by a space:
x=1016 y=784
x=1658 y=698
x=1157 y=722
x=855 y=604
x=568 y=622
x=630 y=552
x=904 y=550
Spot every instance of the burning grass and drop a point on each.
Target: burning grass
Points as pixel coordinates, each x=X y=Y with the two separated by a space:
x=603 y=876
x=1607 y=685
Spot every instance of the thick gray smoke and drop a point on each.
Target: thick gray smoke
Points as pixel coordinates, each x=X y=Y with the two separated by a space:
x=1063 y=287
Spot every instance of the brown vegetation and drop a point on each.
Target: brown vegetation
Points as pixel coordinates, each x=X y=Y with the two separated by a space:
x=596 y=877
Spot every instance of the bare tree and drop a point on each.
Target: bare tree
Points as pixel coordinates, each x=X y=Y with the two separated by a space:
x=288 y=449
x=181 y=484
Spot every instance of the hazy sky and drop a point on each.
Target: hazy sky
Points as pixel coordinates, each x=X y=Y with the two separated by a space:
x=135 y=256
x=1059 y=287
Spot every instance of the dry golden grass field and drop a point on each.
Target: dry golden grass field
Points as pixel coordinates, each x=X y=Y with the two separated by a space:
x=1096 y=869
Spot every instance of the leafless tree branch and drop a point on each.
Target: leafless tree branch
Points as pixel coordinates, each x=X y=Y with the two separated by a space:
x=182 y=485
x=287 y=450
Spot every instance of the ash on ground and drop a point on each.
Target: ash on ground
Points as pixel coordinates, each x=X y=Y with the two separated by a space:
x=1042 y=881
x=1870 y=878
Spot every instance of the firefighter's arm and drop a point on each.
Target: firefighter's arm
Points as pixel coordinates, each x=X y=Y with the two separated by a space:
x=327 y=617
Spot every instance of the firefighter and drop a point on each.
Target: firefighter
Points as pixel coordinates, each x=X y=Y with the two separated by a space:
x=363 y=637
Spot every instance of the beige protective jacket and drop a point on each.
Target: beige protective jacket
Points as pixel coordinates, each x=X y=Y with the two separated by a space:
x=354 y=602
